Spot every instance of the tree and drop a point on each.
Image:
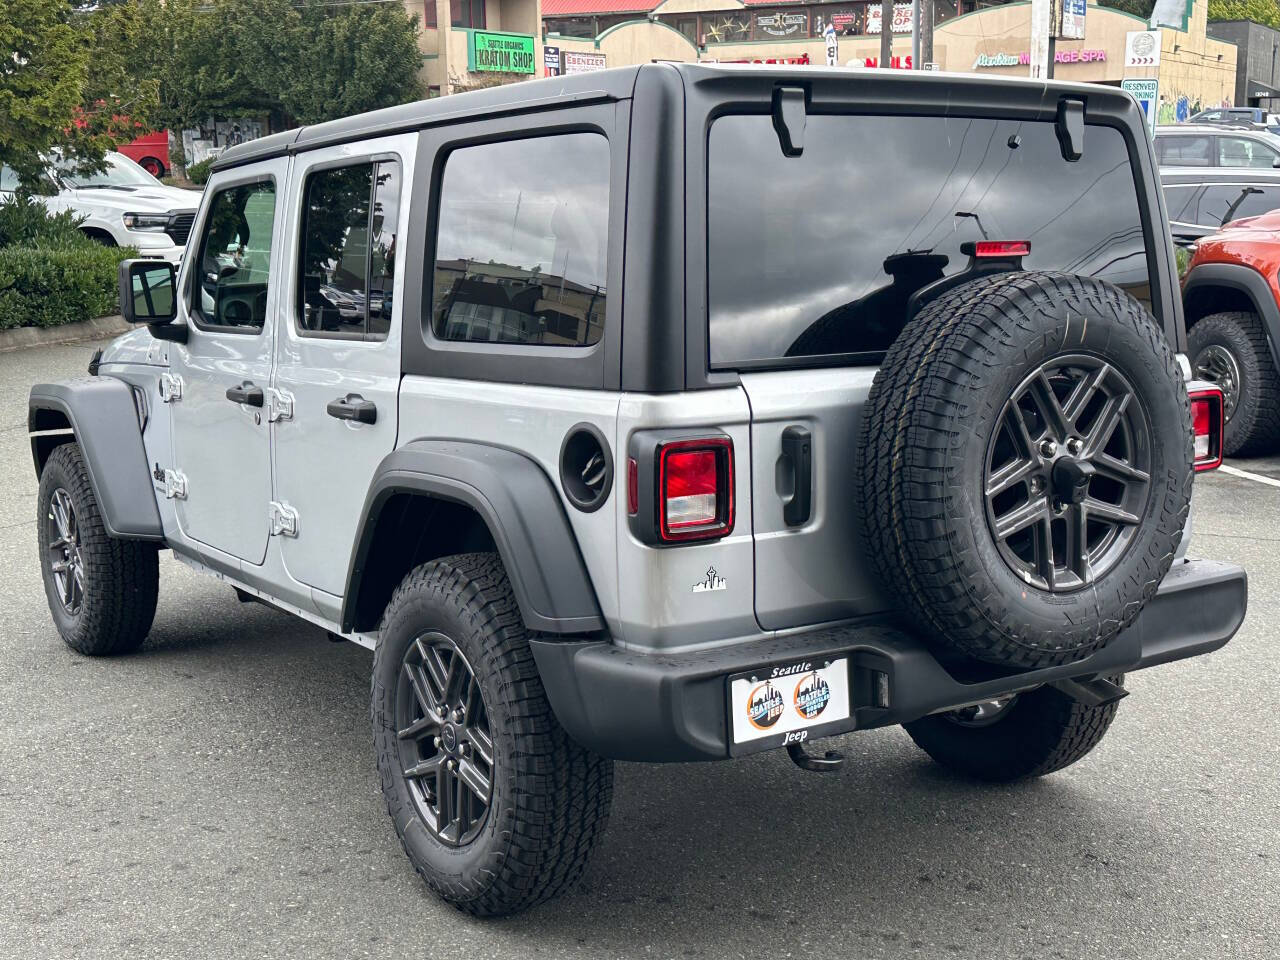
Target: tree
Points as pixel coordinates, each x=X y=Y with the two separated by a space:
x=54 y=94
x=351 y=59
x=1259 y=11
x=1139 y=8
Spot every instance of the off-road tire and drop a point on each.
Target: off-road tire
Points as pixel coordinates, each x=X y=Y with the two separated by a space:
x=931 y=412
x=1254 y=427
x=122 y=577
x=551 y=797
x=1040 y=732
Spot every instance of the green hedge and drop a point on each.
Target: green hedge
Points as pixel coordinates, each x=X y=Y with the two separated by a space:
x=49 y=286
x=198 y=173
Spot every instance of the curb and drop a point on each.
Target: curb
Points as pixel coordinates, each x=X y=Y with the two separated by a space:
x=20 y=338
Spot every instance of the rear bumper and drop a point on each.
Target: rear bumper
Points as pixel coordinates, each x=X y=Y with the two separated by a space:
x=647 y=707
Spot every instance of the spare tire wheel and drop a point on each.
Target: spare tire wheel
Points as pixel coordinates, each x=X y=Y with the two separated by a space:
x=1026 y=466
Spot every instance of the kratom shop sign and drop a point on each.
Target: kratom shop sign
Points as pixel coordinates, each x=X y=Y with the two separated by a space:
x=500 y=53
x=1024 y=59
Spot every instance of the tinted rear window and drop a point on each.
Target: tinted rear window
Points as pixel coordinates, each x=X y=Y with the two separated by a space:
x=818 y=254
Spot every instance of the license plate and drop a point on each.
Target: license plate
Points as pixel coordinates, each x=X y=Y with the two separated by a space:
x=778 y=700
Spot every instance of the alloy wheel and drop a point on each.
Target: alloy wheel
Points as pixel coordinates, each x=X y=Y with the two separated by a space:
x=1068 y=473
x=1217 y=364
x=446 y=746
x=66 y=561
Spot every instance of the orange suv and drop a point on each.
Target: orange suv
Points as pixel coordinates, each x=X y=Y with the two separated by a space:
x=1231 y=290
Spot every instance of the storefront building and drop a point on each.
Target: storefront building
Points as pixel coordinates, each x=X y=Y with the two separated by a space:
x=469 y=44
x=1257 y=62
x=1194 y=69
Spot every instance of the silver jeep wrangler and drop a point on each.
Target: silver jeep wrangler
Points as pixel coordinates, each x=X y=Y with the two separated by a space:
x=630 y=416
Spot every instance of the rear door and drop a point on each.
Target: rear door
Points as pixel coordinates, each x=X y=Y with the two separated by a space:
x=809 y=277
x=338 y=365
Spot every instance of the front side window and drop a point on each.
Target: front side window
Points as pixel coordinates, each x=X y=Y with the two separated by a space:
x=816 y=256
x=521 y=242
x=349 y=223
x=235 y=257
x=1243 y=152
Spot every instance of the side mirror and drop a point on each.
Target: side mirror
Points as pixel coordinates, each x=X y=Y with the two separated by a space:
x=147 y=291
x=1276 y=162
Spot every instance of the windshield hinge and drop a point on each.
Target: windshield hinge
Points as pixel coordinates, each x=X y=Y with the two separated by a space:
x=170 y=387
x=789 y=119
x=281 y=407
x=284 y=520
x=175 y=485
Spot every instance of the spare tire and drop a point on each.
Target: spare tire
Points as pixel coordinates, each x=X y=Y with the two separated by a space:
x=1025 y=459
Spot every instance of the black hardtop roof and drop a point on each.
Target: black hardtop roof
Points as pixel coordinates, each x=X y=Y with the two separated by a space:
x=945 y=90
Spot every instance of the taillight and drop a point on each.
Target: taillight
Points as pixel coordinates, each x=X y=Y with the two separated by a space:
x=984 y=249
x=1206 y=425
x=695 y=489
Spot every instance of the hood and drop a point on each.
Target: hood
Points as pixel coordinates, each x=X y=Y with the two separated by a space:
x=139 y=199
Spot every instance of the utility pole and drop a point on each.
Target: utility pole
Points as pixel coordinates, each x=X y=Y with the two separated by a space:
x=886 y=33
x=915 y=34
x=1041 y=39
x=926 y=33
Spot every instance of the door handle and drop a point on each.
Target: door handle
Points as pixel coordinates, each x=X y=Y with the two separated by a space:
x=797 y=448
x=246 y=392
x=353 y=407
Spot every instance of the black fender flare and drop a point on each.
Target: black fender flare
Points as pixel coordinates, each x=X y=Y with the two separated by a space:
x=515 y=498
x=1247 y=281
x=104 y=418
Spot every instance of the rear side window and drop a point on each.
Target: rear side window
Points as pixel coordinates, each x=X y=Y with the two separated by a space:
x=816 y=255
x=347 y=261
x=1243 y=152
x=1223 y=202
x=1184 y=151
x=235 y=257
x=521 y=242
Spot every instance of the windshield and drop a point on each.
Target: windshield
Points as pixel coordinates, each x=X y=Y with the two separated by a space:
x=120 y=172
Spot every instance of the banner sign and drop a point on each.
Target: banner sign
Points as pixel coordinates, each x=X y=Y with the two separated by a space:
x=1071 y=23
x=901 y=18
x=832 y=44
x=500 y=53
x=1142 y=48
x=551 y=61
x=782 y=24
x=584 y=62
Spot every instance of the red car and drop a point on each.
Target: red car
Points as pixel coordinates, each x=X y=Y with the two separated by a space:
x=1231 y=294
x=150 y=151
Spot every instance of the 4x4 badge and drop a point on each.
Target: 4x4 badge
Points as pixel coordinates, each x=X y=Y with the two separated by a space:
x=712 y=581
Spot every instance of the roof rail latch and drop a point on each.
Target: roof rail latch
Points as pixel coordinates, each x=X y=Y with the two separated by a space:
x=1070 y=129
x=789 y=119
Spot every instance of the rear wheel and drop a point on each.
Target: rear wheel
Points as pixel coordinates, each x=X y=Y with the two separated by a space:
x=496 y=807
x=101 y=590
x=152 y=166
x=1017 y=737
x=1230 y=349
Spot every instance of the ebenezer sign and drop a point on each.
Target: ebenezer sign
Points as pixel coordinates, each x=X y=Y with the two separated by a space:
x=500 y=53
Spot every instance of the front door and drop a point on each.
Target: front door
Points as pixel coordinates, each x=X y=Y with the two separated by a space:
x=338 y=361
x=220 y=376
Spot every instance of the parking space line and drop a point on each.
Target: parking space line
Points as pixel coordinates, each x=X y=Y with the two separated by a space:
x=1236 y=472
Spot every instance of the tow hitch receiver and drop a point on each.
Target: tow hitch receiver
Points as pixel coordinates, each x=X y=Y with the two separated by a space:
x=1091 y=693
x=827 y=763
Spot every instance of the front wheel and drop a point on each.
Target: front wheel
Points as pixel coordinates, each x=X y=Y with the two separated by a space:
x=101 y=590
x=1017 y=737
x=1230 y=349
x=496 y=807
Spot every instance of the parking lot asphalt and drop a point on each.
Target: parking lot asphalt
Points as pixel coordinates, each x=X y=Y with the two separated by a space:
x=215 y=796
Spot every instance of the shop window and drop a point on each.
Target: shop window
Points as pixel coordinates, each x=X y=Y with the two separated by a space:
x=467 y=13
x=782 y=24
x=816 y=256
x=726 y=27
x=846 y=20
x=521 y=242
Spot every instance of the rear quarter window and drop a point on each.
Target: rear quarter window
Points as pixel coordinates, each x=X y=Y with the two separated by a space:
x=817 y=255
